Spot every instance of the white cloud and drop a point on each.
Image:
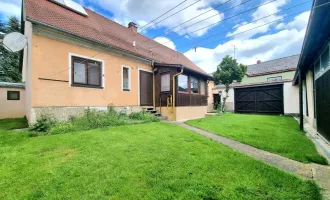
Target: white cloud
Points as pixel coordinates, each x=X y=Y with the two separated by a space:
x=165 y=41
x=261 y=12
x=144 y=11
x=283 y=43
x=10 y=8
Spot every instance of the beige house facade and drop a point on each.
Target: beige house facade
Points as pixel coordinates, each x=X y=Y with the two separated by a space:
x=72 y=65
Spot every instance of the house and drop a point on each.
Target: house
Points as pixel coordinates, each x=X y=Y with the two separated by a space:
x=266 y=88
x=313 y=72
x=76 y=58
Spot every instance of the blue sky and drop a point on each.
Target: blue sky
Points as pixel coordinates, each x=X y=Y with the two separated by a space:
x=279 y=39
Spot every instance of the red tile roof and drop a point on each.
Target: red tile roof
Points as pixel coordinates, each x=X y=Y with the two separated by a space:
x=105 y=31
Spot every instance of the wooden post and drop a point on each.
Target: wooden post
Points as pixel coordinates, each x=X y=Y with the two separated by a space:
x=301 y=110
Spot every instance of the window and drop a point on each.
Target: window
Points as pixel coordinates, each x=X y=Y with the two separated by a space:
x=325 y=59
x=202 y=87
x=126 y=79
x=277 y=78
x=165 y=83
x=13 y=95
x=183 y=83
x=194 y=85
x=86 y=73
x=317 y=67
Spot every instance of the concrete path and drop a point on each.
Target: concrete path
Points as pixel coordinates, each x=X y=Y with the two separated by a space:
x=318 y=173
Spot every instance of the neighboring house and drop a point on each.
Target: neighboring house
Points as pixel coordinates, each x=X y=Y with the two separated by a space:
x=12 y=100
x=266 y=88
x=77 y=58
x=313 y=72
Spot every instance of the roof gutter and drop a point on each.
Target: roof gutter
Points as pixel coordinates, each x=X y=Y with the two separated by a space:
x=91 y=40
x=186 y=68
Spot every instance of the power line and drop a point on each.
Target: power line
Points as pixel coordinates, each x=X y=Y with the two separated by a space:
x=176 y=12
x=200 y=20
x=218 y=14
x=167 y=30
x=163 y=14
x=246 y=23
x=265 y=24
x=218 y=21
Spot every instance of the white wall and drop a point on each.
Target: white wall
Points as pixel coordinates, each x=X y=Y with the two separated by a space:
x=230 y=99
x=12 y=108
x=291 y=98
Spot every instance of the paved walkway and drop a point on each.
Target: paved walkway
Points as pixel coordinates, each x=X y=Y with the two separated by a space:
x=318 y=173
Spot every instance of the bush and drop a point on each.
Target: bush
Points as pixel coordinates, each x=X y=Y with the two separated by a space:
x=143 y=116
x=62 y=128
x=92 y=119
x=43 y=124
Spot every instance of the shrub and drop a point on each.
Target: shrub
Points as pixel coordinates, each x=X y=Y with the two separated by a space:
x=62 y=128
x=143 y=116
x=44 y=123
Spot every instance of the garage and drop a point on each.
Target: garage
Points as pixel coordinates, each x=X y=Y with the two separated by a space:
x=261 y=99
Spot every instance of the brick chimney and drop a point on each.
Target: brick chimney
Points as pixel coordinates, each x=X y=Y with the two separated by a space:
x=132 y=26
x=259 y=61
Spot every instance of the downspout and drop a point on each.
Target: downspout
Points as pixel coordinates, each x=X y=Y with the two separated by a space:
x=154 y=83
x=173 y=91
x=301 y=116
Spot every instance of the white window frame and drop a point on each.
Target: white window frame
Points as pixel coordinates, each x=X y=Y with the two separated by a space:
x=122 y=78
x=322 y=71
x=89 y=58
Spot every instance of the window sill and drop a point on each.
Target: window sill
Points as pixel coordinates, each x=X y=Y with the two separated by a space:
x=126 y=90
x=86 y=86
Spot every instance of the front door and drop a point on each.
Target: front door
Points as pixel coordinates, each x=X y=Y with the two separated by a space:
x=146 y=88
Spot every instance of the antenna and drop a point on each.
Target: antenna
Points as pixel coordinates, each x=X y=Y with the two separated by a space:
x=14 y=41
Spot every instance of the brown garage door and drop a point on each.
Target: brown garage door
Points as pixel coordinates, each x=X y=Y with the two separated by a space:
x=261 y=99
x=146 y=88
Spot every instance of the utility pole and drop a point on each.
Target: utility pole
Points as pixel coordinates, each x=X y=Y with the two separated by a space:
x=234 y=50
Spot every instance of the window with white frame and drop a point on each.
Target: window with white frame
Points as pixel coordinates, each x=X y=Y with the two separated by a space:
x=202 y=87
x=322 y=64
x=165 y=83
x=194 y=85
x=126 y=78
x=86 y=73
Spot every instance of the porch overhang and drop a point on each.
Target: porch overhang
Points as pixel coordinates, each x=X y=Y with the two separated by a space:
x=179 y=66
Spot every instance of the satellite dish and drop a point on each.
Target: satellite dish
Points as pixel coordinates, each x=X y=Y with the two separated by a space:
x=14 y=41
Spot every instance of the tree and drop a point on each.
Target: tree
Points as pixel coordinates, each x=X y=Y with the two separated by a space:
x=227 y=72
x=9 y=61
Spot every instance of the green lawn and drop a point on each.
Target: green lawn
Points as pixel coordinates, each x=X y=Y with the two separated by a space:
x=145 y=161
x=277 y=134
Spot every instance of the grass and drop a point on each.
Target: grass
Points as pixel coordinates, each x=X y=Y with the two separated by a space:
x=277 y=134
x=144 y=161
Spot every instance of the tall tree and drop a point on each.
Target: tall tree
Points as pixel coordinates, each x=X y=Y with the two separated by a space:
x=227 y=72
x=9 y=61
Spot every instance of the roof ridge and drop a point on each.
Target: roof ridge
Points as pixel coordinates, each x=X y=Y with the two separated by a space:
x=274 y=59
